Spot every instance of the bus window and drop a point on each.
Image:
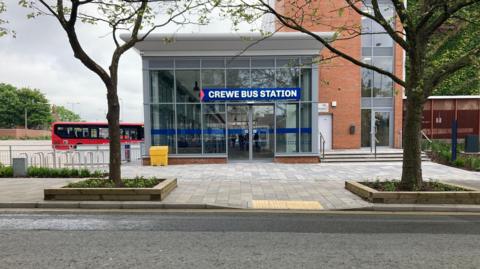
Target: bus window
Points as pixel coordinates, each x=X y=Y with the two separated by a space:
x=93 y=133
x=85 y=133
x=103 y=133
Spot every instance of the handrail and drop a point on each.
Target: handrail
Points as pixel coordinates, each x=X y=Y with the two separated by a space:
x=426 y=137
x=376 y=142
x=322 y=142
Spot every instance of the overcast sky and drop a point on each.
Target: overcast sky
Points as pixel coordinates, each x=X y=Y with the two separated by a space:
x=40 y=57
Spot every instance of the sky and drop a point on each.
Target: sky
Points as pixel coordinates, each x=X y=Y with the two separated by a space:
x=41 y=58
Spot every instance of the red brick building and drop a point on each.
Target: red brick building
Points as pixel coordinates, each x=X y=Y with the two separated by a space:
x=356 y=98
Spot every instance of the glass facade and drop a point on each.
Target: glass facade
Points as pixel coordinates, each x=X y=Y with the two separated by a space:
x=190 y=127
x=377 y=90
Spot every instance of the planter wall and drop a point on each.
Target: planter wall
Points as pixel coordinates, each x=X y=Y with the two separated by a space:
x=472 y=196
x=157 y=193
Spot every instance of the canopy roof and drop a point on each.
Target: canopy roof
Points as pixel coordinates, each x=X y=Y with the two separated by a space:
x=229 y=44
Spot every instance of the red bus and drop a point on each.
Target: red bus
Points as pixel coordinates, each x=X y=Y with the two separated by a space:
x=70 y=134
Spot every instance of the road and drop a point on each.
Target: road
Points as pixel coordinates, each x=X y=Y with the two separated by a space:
x=237 y=240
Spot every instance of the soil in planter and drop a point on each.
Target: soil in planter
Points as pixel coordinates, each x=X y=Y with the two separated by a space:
x=427 y=186
x=138 y=182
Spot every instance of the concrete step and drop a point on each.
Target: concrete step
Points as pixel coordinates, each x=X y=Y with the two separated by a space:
x=389 y=156
x=326 y=160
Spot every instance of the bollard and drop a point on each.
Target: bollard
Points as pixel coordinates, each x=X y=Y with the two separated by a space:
x=19 y=167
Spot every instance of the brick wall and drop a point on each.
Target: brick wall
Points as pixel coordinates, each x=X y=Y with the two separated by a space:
x=19 y=133
x=340 y=80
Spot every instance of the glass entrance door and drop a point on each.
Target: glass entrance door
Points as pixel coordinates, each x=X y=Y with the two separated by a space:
x=382 y=128
x=262 y=132
x=250 y=132
x=376 y=125
x=238 y=128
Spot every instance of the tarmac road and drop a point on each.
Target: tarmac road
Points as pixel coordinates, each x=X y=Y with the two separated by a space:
x=238 y=240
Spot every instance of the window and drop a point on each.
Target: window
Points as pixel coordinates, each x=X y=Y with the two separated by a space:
x=306 y=127
x=238 y=78
x=103 y=132
x=306 y=84
x=189 y=132
x=287 y=77
x=163 y=126
x=263 y=78
x=287 y=128
x=188 y=85
x=162 y=86
x=214 y=128
x=213 y=78
x=93 y=132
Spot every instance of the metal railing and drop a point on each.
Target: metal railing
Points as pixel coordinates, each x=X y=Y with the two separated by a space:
x=429 y=141
x=322 y=146
x=81 y=156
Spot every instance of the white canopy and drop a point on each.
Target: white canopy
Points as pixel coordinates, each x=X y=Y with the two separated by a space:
x=230 y=44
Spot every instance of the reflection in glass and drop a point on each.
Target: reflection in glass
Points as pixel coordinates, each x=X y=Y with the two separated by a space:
x=213 y=78
x=161 y=89
x=287 y=127
x=366 y=127
x=238 y=132
x=287 y=77
x=238 y=78
x=306 y=86
x=214 y=128
x=188 y=85
x=163 y=126
x=262 y=131
x=263 y=78
x=382 y=128
x=306 y=127
x=189 y=132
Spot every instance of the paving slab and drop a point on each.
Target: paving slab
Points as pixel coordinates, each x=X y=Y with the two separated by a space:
x=238 y=184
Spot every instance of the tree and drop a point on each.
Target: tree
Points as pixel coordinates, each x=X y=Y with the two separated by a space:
x=4 y=30
x=60 y=113
x=131 y=16
x=15 y=103
x=424 y=29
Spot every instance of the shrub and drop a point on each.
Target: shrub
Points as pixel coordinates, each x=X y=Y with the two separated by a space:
x=62 y=172
x=459 y=162
x=137 y=182
x=6 y=171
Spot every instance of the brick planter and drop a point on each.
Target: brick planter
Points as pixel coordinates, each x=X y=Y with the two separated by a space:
x=471 y=196
x=156 y=193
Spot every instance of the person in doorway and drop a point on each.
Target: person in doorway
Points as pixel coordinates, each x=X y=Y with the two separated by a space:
x=233 y=139
x=257 y=143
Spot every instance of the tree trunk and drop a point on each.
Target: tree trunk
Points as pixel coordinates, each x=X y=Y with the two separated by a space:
x=412 y=160
x=113 y=117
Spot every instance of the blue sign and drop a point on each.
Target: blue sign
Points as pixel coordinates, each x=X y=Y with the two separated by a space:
x=249 y=94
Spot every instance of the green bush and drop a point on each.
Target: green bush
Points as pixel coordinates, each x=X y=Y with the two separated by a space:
x=62 y=172
x=6 y=171
x=138 y=182
x=459 y=162
x=441 y=152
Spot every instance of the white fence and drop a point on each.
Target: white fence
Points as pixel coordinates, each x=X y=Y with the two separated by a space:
x=83 y=156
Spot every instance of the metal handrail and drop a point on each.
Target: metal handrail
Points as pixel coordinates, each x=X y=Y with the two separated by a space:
x=322 y=142
x=430 y=142
x=426 y=137
x=376 y=142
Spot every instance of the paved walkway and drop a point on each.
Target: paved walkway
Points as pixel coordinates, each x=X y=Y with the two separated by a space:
x=297 y=172
x=239 y=184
